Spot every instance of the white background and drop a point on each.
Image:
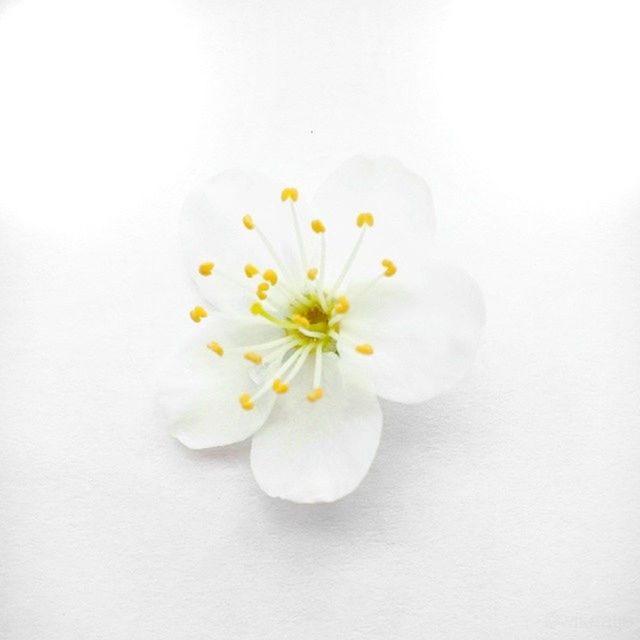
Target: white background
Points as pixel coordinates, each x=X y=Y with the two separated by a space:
x=507 y=508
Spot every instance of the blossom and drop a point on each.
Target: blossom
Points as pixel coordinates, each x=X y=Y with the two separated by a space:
x=311 y=313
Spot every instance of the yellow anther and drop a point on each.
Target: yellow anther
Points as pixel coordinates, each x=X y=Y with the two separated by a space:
x=263 y=286
x=256 y=308
x=365 y=349
x=197 y=313
x=206 y=268
x=245 y=402
x=279 y=387
x=317 y=226
x=254 y=357
x=316 y=394
x=312 y=273
x=250 y=270
x=261 y=295
x=289 y=194
x=389 y=267
x=270 y=276
x=300 y=320
x=216 y=348
x=364 y=218
x=247 y=221
x=261 y=291
x=342 y=306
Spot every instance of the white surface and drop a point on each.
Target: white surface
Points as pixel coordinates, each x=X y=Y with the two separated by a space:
x=507 y=508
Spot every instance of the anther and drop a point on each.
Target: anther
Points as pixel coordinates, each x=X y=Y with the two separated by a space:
x=247 y=221
x=365 y=349
x=342 y=306
x=216 y=348
x=262 y=289
x=270 y=276
x=300 y=320
x=316 y=394
x=206 y=268
x=256 y=309
x=317 y=226
x=389 y=268
x=364 y=218
x=250 y=270
x=312 y=273
x=279 y=386
x=197 y=313
x=245 y=402
x=254 y=357
x=289 y=194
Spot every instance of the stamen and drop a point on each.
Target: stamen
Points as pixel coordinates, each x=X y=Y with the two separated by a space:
x=298 y=365
x=270 y=276
x=317 y=226
x=289 y=193
x=279 y=386
x=216 y=348
x=261 y=291
x=245 y=402
x=390 y=268
x=292 y=194
x=206 y=268
x=250 y=270
x=342 y=306
x=247 y=221
x=293 y=361
x=312 y=273
x=365 y=349
x=364 y=219
x=254 y=357
x=317 y=392
x=354 y=252
x=197 y=313
x=300 y=320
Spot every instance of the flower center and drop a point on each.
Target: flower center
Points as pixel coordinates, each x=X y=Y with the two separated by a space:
x=307 y=311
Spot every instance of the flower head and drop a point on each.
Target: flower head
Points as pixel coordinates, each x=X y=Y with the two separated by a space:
x=315 y=311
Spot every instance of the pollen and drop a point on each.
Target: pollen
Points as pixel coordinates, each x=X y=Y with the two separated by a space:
x=197 y=313
x=216 y=348
x=389 y=268
x=364 y=218
x=256 y=309
x=342 y=306
x=246 y=402
x=247 y=221
x=301 y=321
x=206 y=268
x=250 y=270
x=254 y=357
x=261 y=291
x=279 y=386
x=289 y=194
x=317 y=226
x=316 y=394
x=365 y=349
x=270 y=276
x=312 y=273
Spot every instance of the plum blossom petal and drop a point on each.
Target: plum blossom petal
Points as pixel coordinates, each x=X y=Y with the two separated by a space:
x=321 y=451
x=424 y=338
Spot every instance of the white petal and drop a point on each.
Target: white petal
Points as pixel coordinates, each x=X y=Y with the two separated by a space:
x=425 y=338
x=199 y=390
x=213 y=231
x=318 y=452
x=402 y=207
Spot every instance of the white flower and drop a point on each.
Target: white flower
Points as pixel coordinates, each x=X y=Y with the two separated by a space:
x=318 y=310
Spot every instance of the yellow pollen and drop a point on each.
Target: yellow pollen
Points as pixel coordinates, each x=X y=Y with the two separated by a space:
x=245 y=402
x=197 y=313
x=312 y=274
x=389 y=267
x=289 y=194
x=254 y=357
x=364 y=218
x=316 y=394
x=247 y=221
x=261 y=295
x=261 y=291
x=270 y=276
x=300 y=320
x=206 y=268
x=365 y=349
x=317 y=226
x=256 y=309
x=250 y=270
x=216 y=348
x=279 y=386
x=342 y=306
